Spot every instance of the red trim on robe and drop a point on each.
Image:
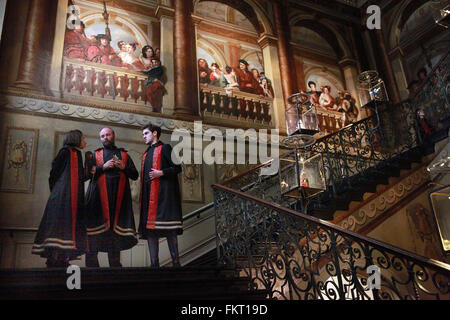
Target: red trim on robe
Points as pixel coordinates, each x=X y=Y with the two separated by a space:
x=102 y=188
x=142 y=181
x=154 y=190
x=104 y=191
x=121 y=190
x=74 y=190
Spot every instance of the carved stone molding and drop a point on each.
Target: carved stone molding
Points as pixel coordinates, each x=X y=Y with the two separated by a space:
x=373 y=209
x=113 y=117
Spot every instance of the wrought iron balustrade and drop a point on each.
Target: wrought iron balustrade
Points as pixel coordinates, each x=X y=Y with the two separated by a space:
x=296 y=256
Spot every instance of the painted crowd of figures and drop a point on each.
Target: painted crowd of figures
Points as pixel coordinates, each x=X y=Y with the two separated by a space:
x=98 y=49
x=323 y=100
x=240 y=78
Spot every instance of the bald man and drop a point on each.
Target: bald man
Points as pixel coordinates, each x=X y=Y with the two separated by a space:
x=110 y=220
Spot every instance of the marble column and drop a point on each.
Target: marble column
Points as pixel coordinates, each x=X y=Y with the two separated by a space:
x=350 y=71
x=2 y=14
x=396 y=56
x=58 y=48
x=387 y=66
x=300 y=68
x=186 y=101
x=234 y=54
x=285 y=55
x=34 y=56
x=272 y=69
x=165 y=16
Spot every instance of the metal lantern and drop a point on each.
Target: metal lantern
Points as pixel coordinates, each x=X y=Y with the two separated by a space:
x=301 y=117
x=371 y=88
x=440 y=203
x=440 y=11
x=301 y=175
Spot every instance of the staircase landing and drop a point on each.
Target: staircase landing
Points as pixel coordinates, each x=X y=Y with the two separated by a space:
x=193 y=283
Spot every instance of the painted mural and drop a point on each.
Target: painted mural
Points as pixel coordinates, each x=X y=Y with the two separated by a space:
x=113 y=41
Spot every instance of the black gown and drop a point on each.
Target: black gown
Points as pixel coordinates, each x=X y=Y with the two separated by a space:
x=160 y=210
x=110 y=219
x=62 y=230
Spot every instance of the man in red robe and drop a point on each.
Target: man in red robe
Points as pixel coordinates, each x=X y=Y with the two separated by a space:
x=76 y=43
x=160 y=211
x=103 y=53
x=110 y=220
x=247 y=81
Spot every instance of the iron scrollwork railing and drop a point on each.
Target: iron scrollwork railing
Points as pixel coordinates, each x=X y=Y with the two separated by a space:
x=295 y=256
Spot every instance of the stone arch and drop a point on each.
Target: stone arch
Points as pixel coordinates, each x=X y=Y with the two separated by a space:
x=402 y=14
x=215 y=51
x=331 y=76
x=124 y=23
x=328 y=32
x=251 y=10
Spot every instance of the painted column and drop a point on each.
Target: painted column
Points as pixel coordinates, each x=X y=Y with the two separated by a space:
x=58 y=48
x=399 y=72
x=300 y=68
x=234 y=54
x=34 y=58
x=186 y=101
x=286 y=58
x=390 y=78
x=272 y=70
x=350 y=71
x=2 y=14
x=165 y=16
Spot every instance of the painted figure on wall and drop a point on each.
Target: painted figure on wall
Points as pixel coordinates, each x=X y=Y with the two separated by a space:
x=147 y=55
x=154 y=86
x=266 y=87
x=314 y=94
x=228 y=80
x=326 y=101
x=247 y=81
x=215 y=75
x=423 y=228
x=102 y=52
x=204 y=72
x=76 y=43
x=129 y=59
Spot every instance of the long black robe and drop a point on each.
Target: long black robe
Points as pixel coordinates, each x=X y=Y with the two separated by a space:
x=164 y=213
x=62 y=230
x=108 y=231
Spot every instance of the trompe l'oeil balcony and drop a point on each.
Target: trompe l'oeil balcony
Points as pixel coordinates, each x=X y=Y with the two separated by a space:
x=104 y=84
x=216 y=102
x=87 y=79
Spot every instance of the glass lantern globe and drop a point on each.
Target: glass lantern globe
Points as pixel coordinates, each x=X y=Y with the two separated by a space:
x=301 y=175
x=371 y=88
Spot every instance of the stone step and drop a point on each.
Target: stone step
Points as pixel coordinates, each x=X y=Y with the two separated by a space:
x=128 y=283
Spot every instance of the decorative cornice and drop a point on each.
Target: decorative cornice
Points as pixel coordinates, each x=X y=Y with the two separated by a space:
x=163 y=11
x=64 y=110
x=347 y=62
x=267 y=40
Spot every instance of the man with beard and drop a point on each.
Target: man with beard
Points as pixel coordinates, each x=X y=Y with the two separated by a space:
x=160 y=211
x=110 y=220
